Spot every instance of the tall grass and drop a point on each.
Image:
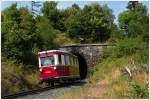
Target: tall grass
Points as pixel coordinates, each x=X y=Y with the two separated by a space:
x=15 y=78
x=133 y=47
x=109 y=78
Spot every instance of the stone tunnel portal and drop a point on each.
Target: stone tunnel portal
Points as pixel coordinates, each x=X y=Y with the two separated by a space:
x=88 y=55
x=82 y=65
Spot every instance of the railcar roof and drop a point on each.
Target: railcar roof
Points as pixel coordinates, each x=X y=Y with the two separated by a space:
x=52 y=51
x=61 y=51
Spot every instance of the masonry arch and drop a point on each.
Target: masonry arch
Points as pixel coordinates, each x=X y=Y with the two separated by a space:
x=82 y=65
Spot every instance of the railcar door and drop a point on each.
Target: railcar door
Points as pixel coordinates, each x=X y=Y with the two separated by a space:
x=66 y=63
x=62 y=68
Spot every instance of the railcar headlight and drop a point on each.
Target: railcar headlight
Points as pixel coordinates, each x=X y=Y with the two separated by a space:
x=54 y=68
x=40 y=70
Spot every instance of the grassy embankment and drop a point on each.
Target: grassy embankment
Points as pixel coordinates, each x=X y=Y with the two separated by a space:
x=110 y=79
x=17 y=77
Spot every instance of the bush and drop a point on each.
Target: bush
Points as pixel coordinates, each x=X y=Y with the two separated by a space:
x=63 y=38
x=129 y=47
x=92 y=71
x=32 y=79
x=140 y=92
x=142 y=55
x=12 y=77
x=15 y=78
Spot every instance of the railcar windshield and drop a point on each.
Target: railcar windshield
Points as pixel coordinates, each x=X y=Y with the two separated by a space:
x=47 y=61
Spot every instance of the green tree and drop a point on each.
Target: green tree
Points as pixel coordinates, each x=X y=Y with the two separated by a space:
x=115 y=35
x=18 y=33
x=132 y=5
x=64 y=16
x=50 y=11
x=75 y=6
x=134 y=21
x=92 y=23
x=45 y=34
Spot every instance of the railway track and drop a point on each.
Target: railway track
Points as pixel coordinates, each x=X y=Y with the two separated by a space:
x=35 y=91
x=11 y=96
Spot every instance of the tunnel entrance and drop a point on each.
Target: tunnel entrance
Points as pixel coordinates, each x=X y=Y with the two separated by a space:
x=82 y=65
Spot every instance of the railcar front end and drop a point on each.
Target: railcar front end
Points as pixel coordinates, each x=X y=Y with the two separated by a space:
x=57 y=65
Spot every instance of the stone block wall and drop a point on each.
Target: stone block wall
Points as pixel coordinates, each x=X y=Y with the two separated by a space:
x=91 y=52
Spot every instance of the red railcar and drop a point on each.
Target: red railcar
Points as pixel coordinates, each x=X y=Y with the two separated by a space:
x=57 y=65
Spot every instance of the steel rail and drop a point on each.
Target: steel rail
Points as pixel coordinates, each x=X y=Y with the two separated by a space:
x=35 y=91
x=11 y=96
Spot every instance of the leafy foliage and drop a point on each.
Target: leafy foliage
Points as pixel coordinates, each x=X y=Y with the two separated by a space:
x=45 y=33
x=92 y=23
x=129 y=47
x=18 y=33
x=50 y=11
x=134 y=21
x=12 y=77
x=140 y=92
x=24 y=35
x=15 y=78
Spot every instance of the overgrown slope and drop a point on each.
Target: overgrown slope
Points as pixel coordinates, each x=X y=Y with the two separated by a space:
x=112 y=79
x=24 y=34
x=18 y=77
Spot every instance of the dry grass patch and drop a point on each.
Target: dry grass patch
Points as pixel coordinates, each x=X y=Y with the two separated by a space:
x=118 y=88
x=140 y=78
x=98 y=90
x=79 y=93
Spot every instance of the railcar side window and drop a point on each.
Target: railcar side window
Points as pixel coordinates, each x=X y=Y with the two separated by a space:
x=56 y=59
x=77 y=63
x=47 y=61
x=71 y=60
x=67 y=60
x=59 y=59
x=63 y=59
x=74 y=61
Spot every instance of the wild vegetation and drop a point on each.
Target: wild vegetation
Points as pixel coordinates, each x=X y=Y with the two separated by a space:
x=111 y=79
x=24 y=34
